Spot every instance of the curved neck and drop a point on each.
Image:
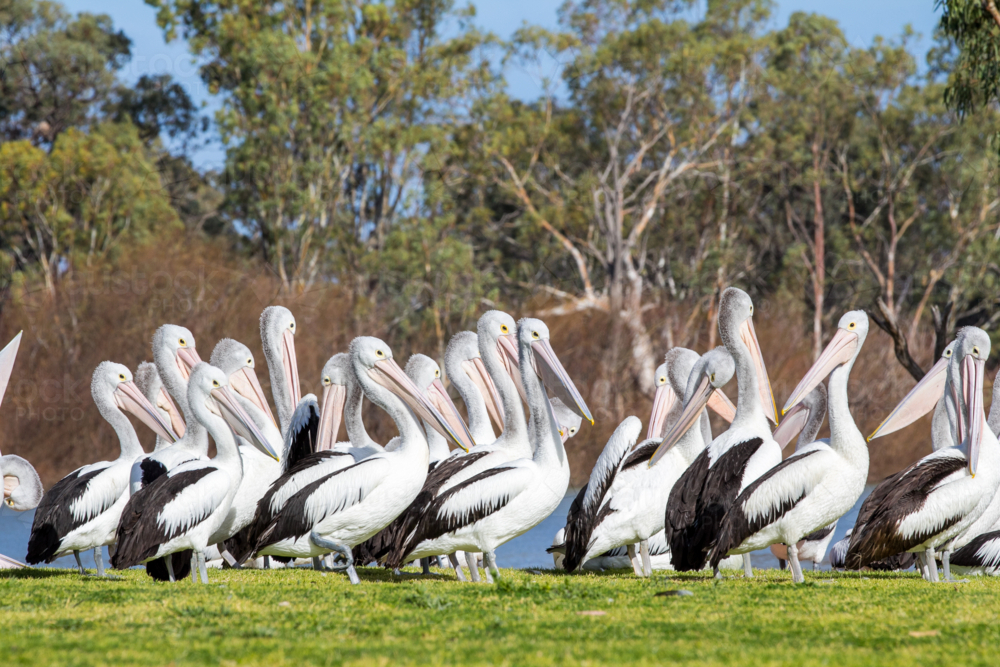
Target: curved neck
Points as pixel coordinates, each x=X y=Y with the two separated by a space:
x=479 y=419
x=844 y=432
x=942 y=436
x=749 y=412
x=437 y=446
x=280 y=391
x=515 y=431
x=225 y=444
x=543 y=432
x=353 y=423
x=173 y=381
x=811 y=429
x=411 y=435
x=131 y=449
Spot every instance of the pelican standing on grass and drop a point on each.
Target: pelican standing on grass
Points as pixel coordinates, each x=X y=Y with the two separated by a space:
x=183 y=508
x=937 y=499
x=701 y=497
x=820 y=482
x=343 y=509
x=509 y=499
x=81 y=511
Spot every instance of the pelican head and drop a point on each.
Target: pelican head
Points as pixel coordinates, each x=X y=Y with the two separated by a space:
x=497 y=331
x=22 y=488
x=842 y=350
x=277 y=335
x=112 y=388
x=921 y=399
x=211 y=396
x=372 y=361
x=965 y=374
x=533 y=334
x=336 y=372
x=712 y=372
x=463 y=356
x=811 y=411
x=737 y=331
x=426 y=374
x=569 y=420
x=173 y=346
x=235 y=359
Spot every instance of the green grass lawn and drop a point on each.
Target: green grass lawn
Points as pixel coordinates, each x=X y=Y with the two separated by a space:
x=295 y=617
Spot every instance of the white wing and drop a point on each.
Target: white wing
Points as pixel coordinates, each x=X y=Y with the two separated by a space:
x=196 y=501
x=102 y=491
x=345 y=488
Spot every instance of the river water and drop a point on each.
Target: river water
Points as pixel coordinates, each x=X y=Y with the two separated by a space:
x=526 y=551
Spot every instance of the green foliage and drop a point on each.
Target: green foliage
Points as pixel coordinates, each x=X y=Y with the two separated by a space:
x=295 y=617
x=975 y=72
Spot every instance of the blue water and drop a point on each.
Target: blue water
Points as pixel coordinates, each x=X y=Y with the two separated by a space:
x=526 y=551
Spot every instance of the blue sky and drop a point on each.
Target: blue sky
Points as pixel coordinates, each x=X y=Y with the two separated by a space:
x=861 y=20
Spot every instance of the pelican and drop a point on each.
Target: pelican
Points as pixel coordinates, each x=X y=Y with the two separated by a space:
x=147 y=379
x=511 y=498
x=808 y=415
x=624 y=500
x=343 y=509
x=174 y=354
x=82 y=510
x=426 y=374
x=183 y=508
x=467 y=372
x=820 y=482
x=613 y=559
x=735 y=459
x=498 y=355
x=933 y=503
x=22 y=489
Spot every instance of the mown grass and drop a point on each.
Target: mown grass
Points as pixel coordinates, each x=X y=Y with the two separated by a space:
x=295 y=617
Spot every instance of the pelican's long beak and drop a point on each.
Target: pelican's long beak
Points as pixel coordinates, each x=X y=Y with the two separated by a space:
x=166 y=403
x=720 y=404
x=509 y=355
x=245 y=383
x=439 y=398
x=187 y=359
x=557 y=380
x=972 y=393
x=690 y=413
x=291 y=366
x=791 y=425
x=7 y=356
x=331 y=414
x=129 y=398
x=476 y=370
x=838 y=351
x=921 y=400
x=240 y=421
x=388 y=374
x=663 y=402
x=749 y=336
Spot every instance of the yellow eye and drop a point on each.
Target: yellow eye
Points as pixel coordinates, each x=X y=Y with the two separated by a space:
x=947 y=353
x=250 y=363
x=751 y=310
x=711 y=378
x=121 y=376
x=327 y=381
x=572 y=430
x=437 y=373
x=182 y=342
x=292 y=326
x=379 y=353
x=852 y=325
x=534 y=334
x=215 y=383
x=975 y=351
x=504 y=329
x=663 y=379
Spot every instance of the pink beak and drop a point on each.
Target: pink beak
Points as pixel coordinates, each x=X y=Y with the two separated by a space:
x=165 y=402
x=291 y=367
x=245 y=383
x=921 y=400
x=476 y=370
x=690 y=413
x=187 y=359
x=791 y=425
x=749 y=337
x=972 y=393
x=130 y=399
x=663 y=402
x=838 y=351
x=331 y=414
x=240 y=421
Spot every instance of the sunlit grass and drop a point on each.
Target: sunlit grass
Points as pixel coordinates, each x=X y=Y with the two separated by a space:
x=297 y=617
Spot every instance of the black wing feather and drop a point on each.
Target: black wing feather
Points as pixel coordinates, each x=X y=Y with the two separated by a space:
x=53 y=519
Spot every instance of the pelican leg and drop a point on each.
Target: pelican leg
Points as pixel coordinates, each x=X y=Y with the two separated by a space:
x=647 y=565
x=932 y=565
x=814 y=566
x=99 y=561
x=425 y=565
x=79 y=563
x=793 y=563
x=344 y=551
x=946 y=561
x=782 y=564
x=486 y=573
x=267 y=562
x=716 y=573
x=458 y=568
x=194 y=567
x=442 y=562
x=170 y=568
x=317 y=563
x=472 y=562
x=490 y=563
x=747 y=567
x=636 y=564
x=202 y=567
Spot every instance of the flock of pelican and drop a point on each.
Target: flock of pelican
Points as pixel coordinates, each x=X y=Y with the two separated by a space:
x=281 y=488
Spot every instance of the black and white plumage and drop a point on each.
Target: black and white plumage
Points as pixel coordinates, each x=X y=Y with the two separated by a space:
x=980 y=556
x=821 y=481
x=705 y=491
x=933 y=503
x=506 y=500
x=22 y=489
x=182 y=509
x=81 y=511
x=175 y=355
x=342 y=509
